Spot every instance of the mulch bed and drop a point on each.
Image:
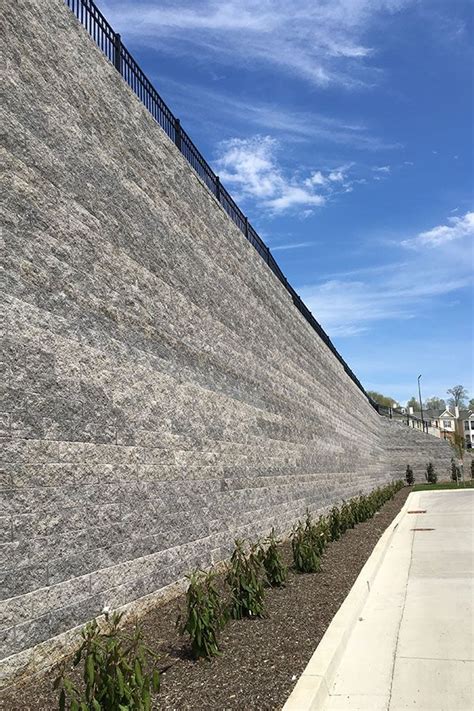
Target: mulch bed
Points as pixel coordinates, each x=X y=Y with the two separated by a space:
x=261 y=659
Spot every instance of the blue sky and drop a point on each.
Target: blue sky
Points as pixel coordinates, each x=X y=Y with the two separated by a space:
x=344 y=130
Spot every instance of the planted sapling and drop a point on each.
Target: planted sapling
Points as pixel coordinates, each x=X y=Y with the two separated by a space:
x=335 y=523
x=270 y=555
x=245 y=578
x=431 y=476
x=119 y=671
x=205 y=614
x=305 y=550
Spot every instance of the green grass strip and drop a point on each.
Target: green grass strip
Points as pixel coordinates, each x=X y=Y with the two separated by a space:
x=468 y=484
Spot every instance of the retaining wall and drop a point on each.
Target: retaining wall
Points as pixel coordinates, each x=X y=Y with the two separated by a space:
x=163 y=395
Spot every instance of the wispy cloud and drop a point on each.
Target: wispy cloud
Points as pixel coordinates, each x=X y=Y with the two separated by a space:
x=352 y=302
x=322 y=42
x=290 y=124
x=457 y=228
x=346 y=307
x=381 y=169
x=291 y=245
x=250 y=166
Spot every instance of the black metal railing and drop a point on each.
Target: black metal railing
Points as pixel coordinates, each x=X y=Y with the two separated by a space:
x=399 y=414
x=112 y=46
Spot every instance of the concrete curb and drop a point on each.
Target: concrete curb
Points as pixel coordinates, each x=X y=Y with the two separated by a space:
x=312 y=689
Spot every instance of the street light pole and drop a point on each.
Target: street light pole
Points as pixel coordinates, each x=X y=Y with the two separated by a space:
x=421 y=404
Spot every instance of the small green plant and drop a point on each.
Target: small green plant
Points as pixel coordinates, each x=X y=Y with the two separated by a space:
x=272 y=561
x=335 y=523
x=245 y=578
x=305 y=548
x=311 y=530
x=454 y=470
x=409 y=476
x=347 y=519
x=354 y=505
x=115 y=675
x=205 y=614
x=364 y=510
x=472 y=468
x=430 y=475
x=323 y=534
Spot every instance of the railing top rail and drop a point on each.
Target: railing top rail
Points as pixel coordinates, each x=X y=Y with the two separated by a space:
x=94 y=21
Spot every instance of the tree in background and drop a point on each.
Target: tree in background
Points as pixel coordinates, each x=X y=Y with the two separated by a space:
x=414 y=403
x=430 y=475
x=471 y=403
x=435 y=403
x=382 y=399
x=459 y=395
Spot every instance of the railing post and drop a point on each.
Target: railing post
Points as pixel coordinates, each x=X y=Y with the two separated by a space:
x=177 y=133
x=218 y=188
x=118 y=52
x=247 y=227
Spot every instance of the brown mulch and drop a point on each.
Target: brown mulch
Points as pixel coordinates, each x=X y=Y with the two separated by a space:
x=261 y=659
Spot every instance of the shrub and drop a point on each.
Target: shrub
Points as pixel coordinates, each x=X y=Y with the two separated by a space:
x=311 y=530
x=305 y=549
x=323 y=534
x=430 y=475
x=354 y=505
x=245 y=579
x=205 y=614
x=374 y=500
x=114 y=671
x=363 y=508
x=472 y=468
x=454 y=470
x=270 y=556
x=347 y=520
x=335 y=523
x=409 y=476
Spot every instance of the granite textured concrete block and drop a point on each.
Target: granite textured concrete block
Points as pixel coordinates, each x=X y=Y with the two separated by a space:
x=163 y=393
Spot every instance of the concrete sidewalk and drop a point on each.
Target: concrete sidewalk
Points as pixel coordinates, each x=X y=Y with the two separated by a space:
x=411 y=645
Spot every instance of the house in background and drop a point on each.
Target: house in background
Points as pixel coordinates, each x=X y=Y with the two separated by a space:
x=467 y=419
x=450 y=422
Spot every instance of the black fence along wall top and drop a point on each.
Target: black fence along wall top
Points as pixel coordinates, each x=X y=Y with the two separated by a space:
x=111 y=45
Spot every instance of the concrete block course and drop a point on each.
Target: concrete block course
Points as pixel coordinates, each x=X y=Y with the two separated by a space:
x=163 y=395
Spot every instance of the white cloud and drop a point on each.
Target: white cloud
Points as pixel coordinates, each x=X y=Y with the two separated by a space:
x=382 y=169
x=291 y=245
x=250 y=167
x=316 y=178
x=457 y=228
x=194 y=101
x=292 y=196
x=322 y=42
x=351 y=302
x=346 y=307
x=249 y=164
x=336 y=176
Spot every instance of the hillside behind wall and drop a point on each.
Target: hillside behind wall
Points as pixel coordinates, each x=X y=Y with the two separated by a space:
x=163 y=394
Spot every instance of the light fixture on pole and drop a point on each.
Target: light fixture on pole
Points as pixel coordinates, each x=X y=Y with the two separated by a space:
x=421 y=403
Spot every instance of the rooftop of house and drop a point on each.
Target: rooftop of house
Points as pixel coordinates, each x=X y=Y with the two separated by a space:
x=434 y=414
